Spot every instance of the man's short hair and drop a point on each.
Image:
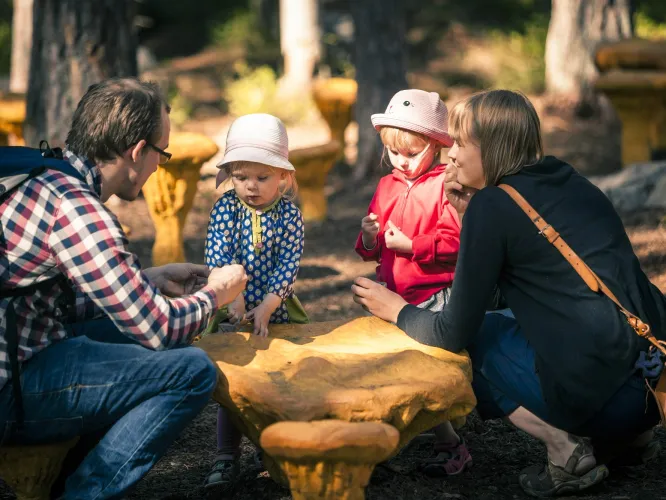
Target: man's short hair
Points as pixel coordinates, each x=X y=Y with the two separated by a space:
x=113 y=116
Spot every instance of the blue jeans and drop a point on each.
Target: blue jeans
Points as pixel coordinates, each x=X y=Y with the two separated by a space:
x=136 y=401
x=505 y=378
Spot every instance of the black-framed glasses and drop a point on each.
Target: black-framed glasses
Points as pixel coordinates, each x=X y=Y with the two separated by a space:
x=164 y=155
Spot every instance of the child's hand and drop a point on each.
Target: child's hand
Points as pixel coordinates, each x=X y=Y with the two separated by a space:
x=370 y=228
x=261 y=314
x=236 y=310
x=396 y=239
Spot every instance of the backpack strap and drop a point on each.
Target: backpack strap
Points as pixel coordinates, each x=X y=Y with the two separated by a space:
x=12 y=337
x=24 y=164
x=588 y=275
x=29 y=164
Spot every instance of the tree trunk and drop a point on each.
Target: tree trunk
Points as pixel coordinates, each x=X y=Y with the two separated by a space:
x=76 y=43
x=380 y=60
x=21 y=44
x=299 y=42
x=576 y=28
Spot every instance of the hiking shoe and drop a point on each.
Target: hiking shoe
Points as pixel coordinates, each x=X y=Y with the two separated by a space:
x=576 y=475
x=449 y=460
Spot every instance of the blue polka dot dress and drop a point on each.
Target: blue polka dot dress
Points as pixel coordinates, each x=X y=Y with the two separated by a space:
x=267 y=243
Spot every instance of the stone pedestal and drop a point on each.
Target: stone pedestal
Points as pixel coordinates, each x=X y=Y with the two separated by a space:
x=12 y=116
x=633 y=76
x=170 y=193
x=329 y=459
x=312 y=166
x=335 y=98
x=31 y=470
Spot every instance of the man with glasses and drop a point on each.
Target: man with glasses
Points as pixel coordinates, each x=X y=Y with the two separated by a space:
x=104 y=353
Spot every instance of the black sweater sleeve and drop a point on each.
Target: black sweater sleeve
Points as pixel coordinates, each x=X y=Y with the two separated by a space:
x=482 y=253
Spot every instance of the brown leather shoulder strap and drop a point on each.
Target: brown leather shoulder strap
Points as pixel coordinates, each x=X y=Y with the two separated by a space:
x=589 y=276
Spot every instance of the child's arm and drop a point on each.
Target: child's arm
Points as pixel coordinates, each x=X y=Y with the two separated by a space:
x=220 y=240
x=443 y=245
x=281 y=281
x=371 y=252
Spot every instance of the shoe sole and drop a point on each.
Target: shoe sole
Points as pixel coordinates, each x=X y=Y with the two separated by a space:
x=592 y=478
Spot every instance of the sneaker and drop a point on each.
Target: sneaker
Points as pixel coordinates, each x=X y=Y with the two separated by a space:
x=449 y=460
x=224 y=474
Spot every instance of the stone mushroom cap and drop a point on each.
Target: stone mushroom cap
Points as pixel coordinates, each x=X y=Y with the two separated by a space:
x=331 y=440
x=632 y=54
x=631 y=82
x=190 y=149
x=323 y=151
x=335 y=89
x=363 y=369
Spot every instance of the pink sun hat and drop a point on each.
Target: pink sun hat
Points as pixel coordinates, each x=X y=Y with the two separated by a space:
x=259 y=138
x=417 y=111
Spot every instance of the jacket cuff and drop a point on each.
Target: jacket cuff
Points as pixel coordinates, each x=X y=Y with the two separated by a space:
x=423 y=248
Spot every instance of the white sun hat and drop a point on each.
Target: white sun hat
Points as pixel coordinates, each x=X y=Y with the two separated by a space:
x=258 y=137
x=417 y=111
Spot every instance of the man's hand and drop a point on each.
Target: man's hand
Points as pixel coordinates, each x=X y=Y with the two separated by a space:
x=176 y=280
x=236 y=310
x=396 y=239
x=261 y=314
x=377 y=299
x=370 y=229
x=228 y=282
x=457 y=194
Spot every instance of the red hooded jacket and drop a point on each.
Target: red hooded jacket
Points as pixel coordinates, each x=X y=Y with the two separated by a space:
x=422 y=212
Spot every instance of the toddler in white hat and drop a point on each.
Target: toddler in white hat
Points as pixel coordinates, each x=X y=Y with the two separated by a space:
x=257 y=225
x=411 y=230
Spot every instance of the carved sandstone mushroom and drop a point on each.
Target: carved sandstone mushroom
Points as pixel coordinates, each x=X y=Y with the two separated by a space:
x=634 y=79
x=12 y=116
x=31 y=470
x=363 y=370
x=312 y=165
x=335 y=98
x=329 y=459
x=170 y=193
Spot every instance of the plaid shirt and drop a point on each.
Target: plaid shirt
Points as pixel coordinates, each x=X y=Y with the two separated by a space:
x=55 y=224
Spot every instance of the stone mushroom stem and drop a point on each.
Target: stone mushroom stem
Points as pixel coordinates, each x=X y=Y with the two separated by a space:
x=312 y=166
x=170 y=193
x=12 y=116
x=329 y=459
x=31 y=470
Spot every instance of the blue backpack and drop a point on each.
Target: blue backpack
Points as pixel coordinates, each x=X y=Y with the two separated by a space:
x=18 y=165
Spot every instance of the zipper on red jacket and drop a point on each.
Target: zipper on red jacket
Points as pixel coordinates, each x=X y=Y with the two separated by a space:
x=404 y=205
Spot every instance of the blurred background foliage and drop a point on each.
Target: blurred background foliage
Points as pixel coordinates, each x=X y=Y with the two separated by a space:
x=475 y=43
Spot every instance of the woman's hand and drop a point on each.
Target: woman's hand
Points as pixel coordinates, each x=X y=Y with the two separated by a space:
x=457 y=194
x=377 y=299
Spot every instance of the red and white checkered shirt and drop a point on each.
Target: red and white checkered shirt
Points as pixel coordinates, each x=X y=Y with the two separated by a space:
x=55 y=224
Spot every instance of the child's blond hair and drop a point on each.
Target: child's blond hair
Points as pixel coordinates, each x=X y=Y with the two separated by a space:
x=288 y=187
x=405 y=140
x=504 y=125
